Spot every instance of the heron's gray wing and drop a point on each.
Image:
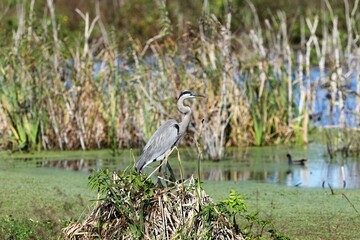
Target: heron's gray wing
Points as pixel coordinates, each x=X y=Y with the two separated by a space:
x=164 y=138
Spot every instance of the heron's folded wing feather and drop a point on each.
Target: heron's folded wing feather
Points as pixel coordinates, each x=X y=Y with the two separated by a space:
x=161 y=141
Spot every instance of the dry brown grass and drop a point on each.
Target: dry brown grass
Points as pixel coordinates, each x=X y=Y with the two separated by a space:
x=170 y=213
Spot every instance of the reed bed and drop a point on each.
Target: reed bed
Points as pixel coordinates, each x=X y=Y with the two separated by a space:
x=84 y=93
x=134 y=209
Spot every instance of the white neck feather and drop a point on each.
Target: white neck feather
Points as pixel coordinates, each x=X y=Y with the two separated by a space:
x=186 y=115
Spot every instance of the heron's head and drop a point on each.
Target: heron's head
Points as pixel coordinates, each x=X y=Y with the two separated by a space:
x=189 y=94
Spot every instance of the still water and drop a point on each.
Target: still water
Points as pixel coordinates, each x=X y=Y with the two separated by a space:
x=266 y=164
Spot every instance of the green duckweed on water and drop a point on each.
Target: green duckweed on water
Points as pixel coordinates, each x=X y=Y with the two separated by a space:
x=38 y=203
x=34 y=199
x=300 y=213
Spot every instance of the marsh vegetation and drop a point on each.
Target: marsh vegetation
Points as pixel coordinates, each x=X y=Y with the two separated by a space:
x=80 y=77
x=87 y=91
x=60 y=196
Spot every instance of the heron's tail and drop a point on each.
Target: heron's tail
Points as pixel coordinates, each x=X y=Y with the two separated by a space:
x=138 y=168
x=140 y=164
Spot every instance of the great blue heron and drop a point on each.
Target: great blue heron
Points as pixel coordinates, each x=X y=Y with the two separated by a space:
x=167 y=136
x=295 y=162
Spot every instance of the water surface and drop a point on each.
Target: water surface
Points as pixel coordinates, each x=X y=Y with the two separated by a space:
x=265 y=164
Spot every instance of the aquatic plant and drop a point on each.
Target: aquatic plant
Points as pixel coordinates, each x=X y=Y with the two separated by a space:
x=214 y=57
x=84 y=93
x=268 y=106
x=21 y=104
x=131 y=206
x=22 y=229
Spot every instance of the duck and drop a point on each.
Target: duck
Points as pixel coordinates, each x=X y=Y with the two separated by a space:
x=295 y=162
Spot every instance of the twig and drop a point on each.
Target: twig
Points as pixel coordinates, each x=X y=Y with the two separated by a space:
x=165 y=28
x=55 y=35
x=21 y=25
x=101 y=24
x=352 y=205
x=31 y=14
x=200 y=155
x=331 y=189
x=88 y=29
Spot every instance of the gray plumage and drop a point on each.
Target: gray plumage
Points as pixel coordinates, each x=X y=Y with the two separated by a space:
x=168 y=135
x=160 y=144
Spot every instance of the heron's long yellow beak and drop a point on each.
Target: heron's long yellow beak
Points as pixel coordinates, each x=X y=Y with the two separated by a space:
x=199 y=96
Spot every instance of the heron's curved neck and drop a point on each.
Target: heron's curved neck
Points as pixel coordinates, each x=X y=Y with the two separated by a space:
x=186 y=115
x=182 y=108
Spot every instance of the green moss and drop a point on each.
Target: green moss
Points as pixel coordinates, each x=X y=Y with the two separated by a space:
x=300 y=213
x=44 y=199
x=37 y=203
x=35 y=193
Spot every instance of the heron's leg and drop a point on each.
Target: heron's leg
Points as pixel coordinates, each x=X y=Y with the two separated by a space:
x=172 y=175
x=160 y=175
x=159 y=184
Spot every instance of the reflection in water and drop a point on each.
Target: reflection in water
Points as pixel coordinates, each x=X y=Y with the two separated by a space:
x=273 y=169
x=80 y=165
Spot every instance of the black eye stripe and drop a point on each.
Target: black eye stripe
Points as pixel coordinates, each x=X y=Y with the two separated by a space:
x=185 y=92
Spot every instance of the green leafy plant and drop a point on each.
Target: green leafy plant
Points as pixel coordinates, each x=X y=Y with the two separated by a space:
x=128 y=192
x=24 y=121
x=15 y=229
x=249 y=224
x=268 y=107
x=23 y=229
x=131 y=206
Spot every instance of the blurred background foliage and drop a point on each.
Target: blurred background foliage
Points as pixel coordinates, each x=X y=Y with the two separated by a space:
x=140 y=18
x=105 y=73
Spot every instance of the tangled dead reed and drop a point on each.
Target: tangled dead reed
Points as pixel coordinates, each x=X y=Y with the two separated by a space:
x=59 y=93
x=134 y=209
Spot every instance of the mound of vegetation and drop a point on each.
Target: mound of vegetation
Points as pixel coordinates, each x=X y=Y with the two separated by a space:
x=132 y=207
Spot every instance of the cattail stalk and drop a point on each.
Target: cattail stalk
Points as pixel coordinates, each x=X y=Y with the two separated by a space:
x=55 y=37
